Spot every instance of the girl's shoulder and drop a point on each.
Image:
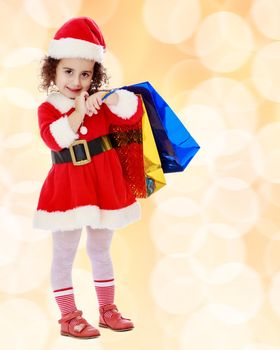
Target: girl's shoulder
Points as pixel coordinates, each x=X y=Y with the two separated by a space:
x=56 y=103
x=46 y=109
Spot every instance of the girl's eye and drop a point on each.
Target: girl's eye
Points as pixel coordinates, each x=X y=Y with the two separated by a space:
x=68 y=71
x=85 y=75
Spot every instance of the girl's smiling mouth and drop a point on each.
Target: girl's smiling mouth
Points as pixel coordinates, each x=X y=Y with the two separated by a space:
x=74 y=90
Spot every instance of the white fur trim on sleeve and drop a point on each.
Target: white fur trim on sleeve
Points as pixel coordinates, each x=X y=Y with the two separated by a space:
x=62 y=132
x=126 y=106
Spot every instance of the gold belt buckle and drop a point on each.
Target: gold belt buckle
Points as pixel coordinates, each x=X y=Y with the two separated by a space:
x=106 y=143
x=72 y=153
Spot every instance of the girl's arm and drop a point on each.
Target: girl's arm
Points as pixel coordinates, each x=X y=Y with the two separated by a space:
x=123 y=109
x=59 y=131
x=77 y=116
x=55 y=129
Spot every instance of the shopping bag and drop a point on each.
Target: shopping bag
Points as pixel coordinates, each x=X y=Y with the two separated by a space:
x=175 y=145
x=138 y=156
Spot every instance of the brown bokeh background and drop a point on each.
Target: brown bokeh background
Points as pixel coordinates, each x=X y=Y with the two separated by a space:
x=201 y=269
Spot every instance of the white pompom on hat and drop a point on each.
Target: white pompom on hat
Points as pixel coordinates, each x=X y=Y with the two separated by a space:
x=78 y=38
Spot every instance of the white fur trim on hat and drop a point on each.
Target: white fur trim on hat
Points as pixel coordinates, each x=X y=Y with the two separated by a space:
x=62 y=132
x=75 y=48
x=127 y=104
x=89 y=215
x=62 y=103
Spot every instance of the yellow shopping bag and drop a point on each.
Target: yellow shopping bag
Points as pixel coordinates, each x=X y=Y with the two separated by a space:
x=139 y=157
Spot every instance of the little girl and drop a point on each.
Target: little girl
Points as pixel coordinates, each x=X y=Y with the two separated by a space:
x=85 y=185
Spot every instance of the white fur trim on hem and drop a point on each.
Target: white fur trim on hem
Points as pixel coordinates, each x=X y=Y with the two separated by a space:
x=62 y=103
x=127 y=104
x=89 y=215
x=75 y=48
x=62 y=132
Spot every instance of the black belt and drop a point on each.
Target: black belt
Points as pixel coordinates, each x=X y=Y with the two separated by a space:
x=81 y=151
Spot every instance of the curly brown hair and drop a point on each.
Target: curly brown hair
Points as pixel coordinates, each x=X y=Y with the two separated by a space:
x=48 y=71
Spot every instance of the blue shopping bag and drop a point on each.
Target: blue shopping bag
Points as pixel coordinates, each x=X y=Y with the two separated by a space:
x=176 y=146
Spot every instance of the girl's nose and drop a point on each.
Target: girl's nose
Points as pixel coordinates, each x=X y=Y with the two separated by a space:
x=76 y=80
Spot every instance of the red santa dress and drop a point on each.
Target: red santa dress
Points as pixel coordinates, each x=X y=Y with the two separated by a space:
x=94 y=194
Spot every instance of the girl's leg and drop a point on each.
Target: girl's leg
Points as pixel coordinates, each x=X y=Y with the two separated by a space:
x=65 y=244
x=98 y=250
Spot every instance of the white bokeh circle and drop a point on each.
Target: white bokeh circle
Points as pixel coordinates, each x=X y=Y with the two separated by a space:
x=171 y=22
x=203 y=331
x=179 y=206
x=210 y=255
x=50 y=13
x=114 y=69
x=27 y=318
x=266 y=16
x=267 y=155
x=230 y=99
x=172 y=82
x=274 y=293
x=268 y=228
x=205 y=124
x=172 y=234
x=18 y=140
x=193 y=180
x=234 y=302
x=21 y=98
x=270 y=192
x=271 y=258
x=266 y=70
x=175 y=238
x=171 y=281
x=236 y=158
x=231 y=201
x=22 y=56
x=27 y=270
x=10 y=235
x=224 y=41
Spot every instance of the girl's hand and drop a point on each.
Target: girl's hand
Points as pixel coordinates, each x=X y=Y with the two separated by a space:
x=112 y=99
x=80 y=103
x=94 y=102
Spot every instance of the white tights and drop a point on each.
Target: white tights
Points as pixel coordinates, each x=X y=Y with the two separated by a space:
x=65 y=244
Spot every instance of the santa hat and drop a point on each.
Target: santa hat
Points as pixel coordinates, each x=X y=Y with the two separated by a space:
x=78 y=38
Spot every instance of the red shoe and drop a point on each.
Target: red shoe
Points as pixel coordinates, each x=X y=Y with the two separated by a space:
x=73 y=325
x=115 y=322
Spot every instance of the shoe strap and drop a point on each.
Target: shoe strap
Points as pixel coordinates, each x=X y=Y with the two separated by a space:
x=108 y=307
x=70 y=316
x=78 y=324
x=114 y=307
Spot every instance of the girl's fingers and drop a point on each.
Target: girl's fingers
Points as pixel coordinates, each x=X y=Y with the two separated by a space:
x=96 y=104
x=93 y=104
x=99 y=100
x=88 y=104
x=91 y=110
x=90 y=107
x=85 y=94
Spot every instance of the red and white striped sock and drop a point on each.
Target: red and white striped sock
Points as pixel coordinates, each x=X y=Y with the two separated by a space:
x=105 y=291
x=65 y=300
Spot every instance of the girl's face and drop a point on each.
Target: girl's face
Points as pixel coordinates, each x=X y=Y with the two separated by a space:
x=73 y=75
